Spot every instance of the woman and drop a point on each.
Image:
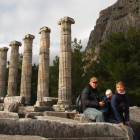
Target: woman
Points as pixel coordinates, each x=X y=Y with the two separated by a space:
x=120 y=107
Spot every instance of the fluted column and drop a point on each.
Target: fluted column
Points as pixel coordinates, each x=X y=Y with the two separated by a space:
x=3 y=64
x=25 y=89
x=43 y=72
x=64 y=91
x=13 y=68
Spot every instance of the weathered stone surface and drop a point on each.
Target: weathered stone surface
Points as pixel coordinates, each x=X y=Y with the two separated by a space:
x=69 y=115
x=12 y=103
x=64 y=88
x=135 y=120
x=19 y=137
x=42 y=108
x=7 y=115
x=13 y=107
x=83 y=119
x=50 y=101
x=1 y=106
x=43 y=71
x=1 y=99
x=25 y=89
x=56 y=129
x=3 y=64
x=117 y=17
x=13 y=68
x=40 y=103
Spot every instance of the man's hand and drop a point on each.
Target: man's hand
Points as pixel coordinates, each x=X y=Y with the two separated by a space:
x=101 y=104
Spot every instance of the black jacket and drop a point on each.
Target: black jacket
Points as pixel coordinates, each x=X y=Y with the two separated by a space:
x=90 y=98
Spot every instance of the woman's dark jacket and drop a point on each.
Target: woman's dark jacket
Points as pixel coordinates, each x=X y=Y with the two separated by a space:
x=90 y=98
x=120 y=105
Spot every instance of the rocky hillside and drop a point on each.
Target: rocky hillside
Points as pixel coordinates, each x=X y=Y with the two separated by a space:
x=117 y=17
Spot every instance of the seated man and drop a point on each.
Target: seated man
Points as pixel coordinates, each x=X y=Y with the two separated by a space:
x=92 y=107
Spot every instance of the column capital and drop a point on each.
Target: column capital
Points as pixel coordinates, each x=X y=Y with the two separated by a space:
x=28 y=36
x=15 y=43
x=47 y=29
x=66 y=19
x=4 y=49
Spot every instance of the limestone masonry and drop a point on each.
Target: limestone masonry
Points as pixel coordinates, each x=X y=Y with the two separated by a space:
x=43 y=71
x=3 y=64
x=13 y=68
x=64 y=88
x=25 y=88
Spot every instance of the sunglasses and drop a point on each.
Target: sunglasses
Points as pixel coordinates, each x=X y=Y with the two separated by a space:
x=95 y=82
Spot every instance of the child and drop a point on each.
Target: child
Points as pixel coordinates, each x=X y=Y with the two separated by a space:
x=107 y=100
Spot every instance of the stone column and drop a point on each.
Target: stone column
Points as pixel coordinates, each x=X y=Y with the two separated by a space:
x=13 y=68
x=3 y=64
x=64 y=88
x=43 y=72
x=25 y=89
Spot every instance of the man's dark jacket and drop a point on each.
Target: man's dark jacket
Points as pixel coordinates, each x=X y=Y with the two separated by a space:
x=90 y=98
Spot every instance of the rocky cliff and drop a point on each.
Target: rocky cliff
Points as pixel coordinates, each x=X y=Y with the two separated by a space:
x=117 y=17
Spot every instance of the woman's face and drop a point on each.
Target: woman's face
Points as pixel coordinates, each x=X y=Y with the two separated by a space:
x=120 y=88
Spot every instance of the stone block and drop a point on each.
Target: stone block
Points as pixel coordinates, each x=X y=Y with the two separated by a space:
x=40 y=103
x=69 y=115
x=26 y=108
x=42 y=108
x=6 y=115
x=55 y=127
x=1 y=99
x=13 y=101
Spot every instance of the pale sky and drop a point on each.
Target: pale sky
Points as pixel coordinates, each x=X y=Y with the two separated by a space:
x=21 y=17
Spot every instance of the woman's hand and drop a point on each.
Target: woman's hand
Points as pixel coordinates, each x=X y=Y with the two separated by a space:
x=127 y=123
x=121 y=123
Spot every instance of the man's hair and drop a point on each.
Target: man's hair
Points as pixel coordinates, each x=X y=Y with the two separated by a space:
x=120 y=83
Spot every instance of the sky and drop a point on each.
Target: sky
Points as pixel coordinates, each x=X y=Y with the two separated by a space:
x=21 y=17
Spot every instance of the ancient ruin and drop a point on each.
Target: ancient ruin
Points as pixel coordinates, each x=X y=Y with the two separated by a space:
x=13 y=68
x=64 y=88
x=51 y=118
x=25 y=88
x=43 y=71
x=3 y=64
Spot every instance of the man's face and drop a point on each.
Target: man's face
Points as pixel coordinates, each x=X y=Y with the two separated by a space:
x=94 y=84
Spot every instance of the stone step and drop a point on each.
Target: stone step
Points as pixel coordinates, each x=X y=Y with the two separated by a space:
x=69 y=115
x=26 y=137
x=77 y=118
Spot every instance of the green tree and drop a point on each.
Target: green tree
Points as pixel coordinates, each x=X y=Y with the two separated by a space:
x=77 y=69
x=53 y=78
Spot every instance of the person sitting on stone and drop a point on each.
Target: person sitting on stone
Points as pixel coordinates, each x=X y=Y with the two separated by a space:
x=120 y=107
x=107 y=100
x=91 y=104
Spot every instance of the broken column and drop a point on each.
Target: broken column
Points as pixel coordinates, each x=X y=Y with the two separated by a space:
x=25 y=89
x=64 y=88
x=13 y=68
x=3 y=64
x=43 y=71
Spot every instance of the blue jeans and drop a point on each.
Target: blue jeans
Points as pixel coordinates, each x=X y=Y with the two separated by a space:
x=93 y=113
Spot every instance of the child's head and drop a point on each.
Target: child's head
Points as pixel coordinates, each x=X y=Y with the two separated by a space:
x=120 y=87
x=108 y=93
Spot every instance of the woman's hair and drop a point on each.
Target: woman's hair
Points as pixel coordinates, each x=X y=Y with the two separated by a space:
x=120 y=83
